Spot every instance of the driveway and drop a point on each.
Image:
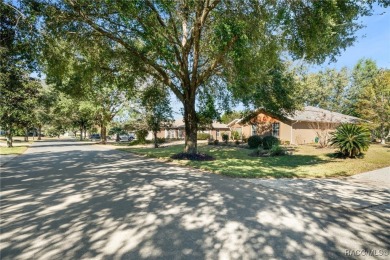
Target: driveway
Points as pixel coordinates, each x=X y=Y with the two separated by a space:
x=70 y=200
x=369 y=191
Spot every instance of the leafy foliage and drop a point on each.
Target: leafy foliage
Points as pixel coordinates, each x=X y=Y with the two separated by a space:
x=326 y=89
x=254 y=141
x=370 y=97
x=269 y=141
x=351 y=139
x=158 y=114
x=138 y=142
x=203 y=136
x=235 y=135
x=18 y=92
x=363 y=75
x=225 y=137
x=207 y=112
x=277 y=150
x=228 y=117
x=141 y=135
x=188 y=45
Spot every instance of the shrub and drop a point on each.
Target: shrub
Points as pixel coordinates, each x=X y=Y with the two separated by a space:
x=203 y=136
x=216 y=142
x=237 y=142
x=254 y=141
x=235 y=135
x=277 y=150
x=137 y=142
x=261 y=152
x=225 y=137
x=270 y=141
x=351 y=139
x=141 y=134
x=160 y=140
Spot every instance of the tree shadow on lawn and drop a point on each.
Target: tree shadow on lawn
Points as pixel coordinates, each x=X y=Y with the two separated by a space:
x=236 y=162
x=260 y=167
x=108 y=204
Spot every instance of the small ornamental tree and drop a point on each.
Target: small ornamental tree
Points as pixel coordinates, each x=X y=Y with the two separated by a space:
x=351 y=139
x=156 y=102
x=323 y=127
x=141 y=135
x=235 y=135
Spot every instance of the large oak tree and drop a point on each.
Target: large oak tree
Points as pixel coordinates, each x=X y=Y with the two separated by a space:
x=188 y=45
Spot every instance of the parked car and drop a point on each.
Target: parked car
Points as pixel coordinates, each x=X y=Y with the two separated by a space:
x=94 y=137
x=125 y=138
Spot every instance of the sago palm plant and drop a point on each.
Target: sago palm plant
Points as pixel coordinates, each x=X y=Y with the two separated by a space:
x=351 y=139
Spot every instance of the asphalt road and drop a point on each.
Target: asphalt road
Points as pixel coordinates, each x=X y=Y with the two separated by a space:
x=70 y=200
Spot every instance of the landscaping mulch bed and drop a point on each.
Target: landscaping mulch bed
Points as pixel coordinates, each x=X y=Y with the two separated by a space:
x=193 y=157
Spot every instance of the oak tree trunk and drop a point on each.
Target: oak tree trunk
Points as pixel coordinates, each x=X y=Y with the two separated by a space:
x=81 y=133
x=383 y=134
x=9 y=138
x=39 y=132
x=103 y=130
x=155 y=139
x=191 y=126
x=26 y=135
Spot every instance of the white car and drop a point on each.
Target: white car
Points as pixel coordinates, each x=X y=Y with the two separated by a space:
x=125 y=138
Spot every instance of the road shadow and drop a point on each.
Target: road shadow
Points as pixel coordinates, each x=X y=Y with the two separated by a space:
x=344 y=193
x=114 y=205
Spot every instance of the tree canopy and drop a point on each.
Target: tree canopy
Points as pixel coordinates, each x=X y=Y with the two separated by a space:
x=18 y=91
x=187 y=45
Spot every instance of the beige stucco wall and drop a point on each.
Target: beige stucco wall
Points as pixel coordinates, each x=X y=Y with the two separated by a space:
x=284 y=132
x=213 y=133
x=306 y=132
x=293 y=132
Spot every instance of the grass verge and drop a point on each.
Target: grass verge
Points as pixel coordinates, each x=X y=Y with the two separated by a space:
x=306 y=162
x=13 y=150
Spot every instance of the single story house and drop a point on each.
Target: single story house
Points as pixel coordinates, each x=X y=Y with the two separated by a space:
x=301 y=127
x=177 y=131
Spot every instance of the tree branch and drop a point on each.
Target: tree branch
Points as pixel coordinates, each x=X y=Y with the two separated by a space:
x=164 y=76
x=207 y=73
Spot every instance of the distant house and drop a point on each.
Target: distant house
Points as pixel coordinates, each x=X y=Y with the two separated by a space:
x=298 y=128
x=177 y=131
x=217 y=130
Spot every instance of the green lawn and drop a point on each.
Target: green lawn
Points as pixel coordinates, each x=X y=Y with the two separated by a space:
x=12 y=150
x=307 y=161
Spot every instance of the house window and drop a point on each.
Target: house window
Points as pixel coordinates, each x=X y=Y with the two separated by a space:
x=171 y=134
x=217 y=133
x=275 y=129
x=254 y=130
x=180 y=134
